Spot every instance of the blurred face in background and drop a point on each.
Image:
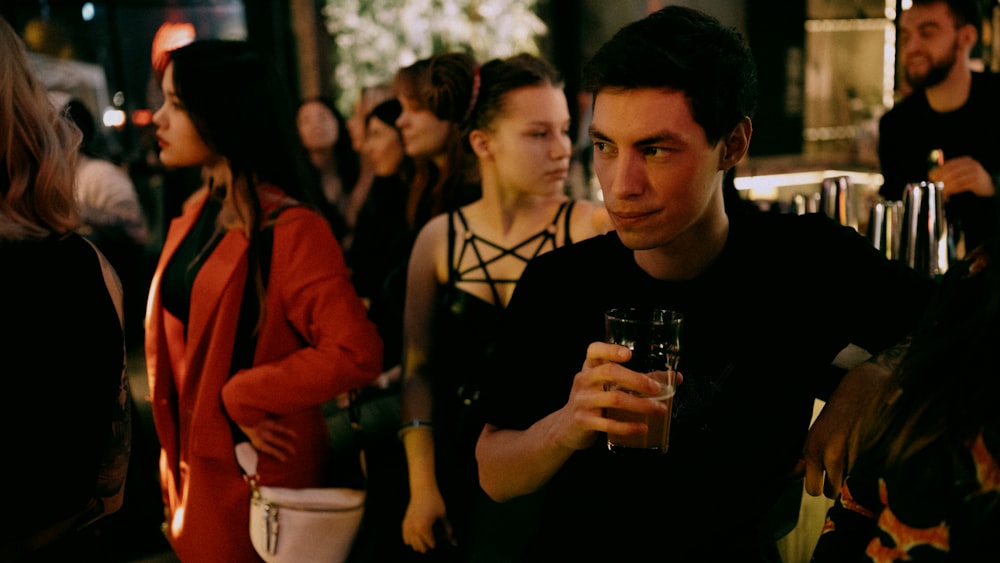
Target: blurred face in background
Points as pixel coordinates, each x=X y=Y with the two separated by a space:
x=366 y=101
x=383 y=147
x=930 y=43
x=424 y=134
x=317 y=125
x=528 y=147
x=180 y=143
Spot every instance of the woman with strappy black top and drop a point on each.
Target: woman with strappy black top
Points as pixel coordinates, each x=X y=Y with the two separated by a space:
x=463 y=270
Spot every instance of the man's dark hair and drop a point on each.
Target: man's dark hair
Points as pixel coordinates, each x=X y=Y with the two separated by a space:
x=682 y=49
x=964 y=11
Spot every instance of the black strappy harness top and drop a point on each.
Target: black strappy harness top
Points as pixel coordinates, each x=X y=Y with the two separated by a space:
x=466 y=328
x=480 y=272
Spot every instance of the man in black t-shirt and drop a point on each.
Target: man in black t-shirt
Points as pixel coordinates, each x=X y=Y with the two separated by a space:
x=950 y=108
x=768 y=302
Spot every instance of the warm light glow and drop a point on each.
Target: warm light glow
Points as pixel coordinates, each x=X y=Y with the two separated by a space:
x=889 y=67
x=770 y=182
x=169 y=37
x=142 y=117
x=113 y=118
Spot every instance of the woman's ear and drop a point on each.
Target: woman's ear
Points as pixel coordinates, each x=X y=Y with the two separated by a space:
x=480 y=143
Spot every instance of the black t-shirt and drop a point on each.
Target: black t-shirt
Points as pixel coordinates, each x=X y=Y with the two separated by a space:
x=762 y=326
x=911 y=130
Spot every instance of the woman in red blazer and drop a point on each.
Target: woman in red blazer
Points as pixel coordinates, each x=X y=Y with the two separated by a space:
x=225 y=111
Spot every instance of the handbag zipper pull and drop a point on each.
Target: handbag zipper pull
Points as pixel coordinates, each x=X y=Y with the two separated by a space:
x=271 y=517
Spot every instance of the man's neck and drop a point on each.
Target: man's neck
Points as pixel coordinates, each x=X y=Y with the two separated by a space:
x=953 y=92
x=689 y=256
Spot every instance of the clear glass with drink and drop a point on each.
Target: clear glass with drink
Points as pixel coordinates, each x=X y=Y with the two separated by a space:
x=653 y=335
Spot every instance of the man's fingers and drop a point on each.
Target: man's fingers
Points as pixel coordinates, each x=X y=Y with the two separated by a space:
x=814 y=478
x=602 y=352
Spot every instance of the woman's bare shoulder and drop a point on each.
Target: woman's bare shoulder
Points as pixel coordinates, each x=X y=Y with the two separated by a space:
x=589 y=218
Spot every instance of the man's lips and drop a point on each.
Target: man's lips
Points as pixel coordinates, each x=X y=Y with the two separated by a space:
x=626 y=218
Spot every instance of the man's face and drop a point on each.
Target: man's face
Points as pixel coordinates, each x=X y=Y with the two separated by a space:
x=929 y=44
x=660 y=177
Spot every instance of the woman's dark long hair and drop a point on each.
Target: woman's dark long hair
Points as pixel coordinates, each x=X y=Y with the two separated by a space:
x=243 y=111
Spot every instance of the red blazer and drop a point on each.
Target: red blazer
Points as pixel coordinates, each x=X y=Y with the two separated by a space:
x=316 y=343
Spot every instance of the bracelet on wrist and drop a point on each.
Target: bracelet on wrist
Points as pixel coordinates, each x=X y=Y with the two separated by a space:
x=413 y=425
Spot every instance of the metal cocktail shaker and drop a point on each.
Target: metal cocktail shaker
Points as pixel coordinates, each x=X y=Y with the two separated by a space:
x=924 y=240
x=885 y=227
x=837 y=201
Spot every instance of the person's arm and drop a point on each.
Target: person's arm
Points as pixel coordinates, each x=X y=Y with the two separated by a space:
x=964 y=174
x=826 y=447
x=426 y=504
x=340 y=348
x=517 y=462
x=110 y=487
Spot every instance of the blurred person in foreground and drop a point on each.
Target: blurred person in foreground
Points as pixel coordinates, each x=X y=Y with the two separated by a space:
x=218 y=288
x=924 y=484
x=675 y=94
x=61 y=337
x=109 y=203
x=113 y=217
x=951 y=108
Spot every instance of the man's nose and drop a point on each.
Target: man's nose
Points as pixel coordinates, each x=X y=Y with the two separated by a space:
x=629 y=177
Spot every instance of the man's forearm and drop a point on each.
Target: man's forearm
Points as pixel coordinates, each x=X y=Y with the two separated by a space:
x=513 y=463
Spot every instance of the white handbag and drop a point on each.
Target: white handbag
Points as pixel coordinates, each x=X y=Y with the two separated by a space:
x=300 y=525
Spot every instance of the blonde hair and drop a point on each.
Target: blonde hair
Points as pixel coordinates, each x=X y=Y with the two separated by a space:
x=38 y=149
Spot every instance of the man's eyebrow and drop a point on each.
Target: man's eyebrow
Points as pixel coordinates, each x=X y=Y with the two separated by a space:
x=595 y=133
x=656 y=139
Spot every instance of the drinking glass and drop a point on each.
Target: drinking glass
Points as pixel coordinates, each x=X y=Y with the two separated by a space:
x=653 y=335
